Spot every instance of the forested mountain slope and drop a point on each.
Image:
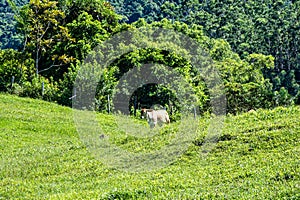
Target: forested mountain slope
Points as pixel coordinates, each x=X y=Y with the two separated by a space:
x=8 y=33
x=269 y=27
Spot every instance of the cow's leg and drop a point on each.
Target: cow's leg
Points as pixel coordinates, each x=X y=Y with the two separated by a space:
x=152 y=125
x=167 y=119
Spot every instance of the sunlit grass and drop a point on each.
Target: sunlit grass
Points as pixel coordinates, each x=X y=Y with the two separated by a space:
x=257 y=156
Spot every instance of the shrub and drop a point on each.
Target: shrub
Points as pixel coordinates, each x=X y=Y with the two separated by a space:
x=40 y=88
x=15 y=69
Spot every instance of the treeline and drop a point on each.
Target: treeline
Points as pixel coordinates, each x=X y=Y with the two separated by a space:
x=58 y=35
x=270 y=27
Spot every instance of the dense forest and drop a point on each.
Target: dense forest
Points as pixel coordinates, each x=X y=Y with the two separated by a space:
x=9 y=38
x=254 y=45
x=269 y=27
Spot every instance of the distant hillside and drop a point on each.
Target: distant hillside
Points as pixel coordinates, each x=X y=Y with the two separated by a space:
x=8 y=35
x=267 y=27
x=42 y=157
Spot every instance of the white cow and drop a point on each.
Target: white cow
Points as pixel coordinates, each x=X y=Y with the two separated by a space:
x=155 y=116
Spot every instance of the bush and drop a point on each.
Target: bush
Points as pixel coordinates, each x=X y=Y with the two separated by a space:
x=40 y=88
x=66 y=85
x=15 y=69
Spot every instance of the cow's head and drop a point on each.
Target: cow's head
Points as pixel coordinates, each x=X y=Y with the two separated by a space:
x=144 y=112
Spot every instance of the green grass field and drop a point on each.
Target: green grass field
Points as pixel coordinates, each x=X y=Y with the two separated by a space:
x=42 y=157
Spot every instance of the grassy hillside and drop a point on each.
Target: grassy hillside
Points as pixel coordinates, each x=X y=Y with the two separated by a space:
x=42 y=157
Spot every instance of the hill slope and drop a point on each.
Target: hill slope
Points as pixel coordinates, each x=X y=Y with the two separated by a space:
x=9 y=38
x=257 y=157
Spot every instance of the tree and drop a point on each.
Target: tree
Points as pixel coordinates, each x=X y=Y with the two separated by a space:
x=89 y=22
x=245 y=86
x=40 y=21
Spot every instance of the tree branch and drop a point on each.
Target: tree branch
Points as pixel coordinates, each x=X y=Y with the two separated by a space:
x=48 y=26
x=58 y=65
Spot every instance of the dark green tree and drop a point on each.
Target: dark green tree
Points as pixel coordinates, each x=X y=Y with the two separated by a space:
x=41 y=23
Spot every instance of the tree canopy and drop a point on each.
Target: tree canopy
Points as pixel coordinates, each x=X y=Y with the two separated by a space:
x=9 y=38
x=254 y=46
x=266 y=27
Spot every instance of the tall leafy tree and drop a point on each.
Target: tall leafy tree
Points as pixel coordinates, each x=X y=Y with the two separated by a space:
x=89 y=22
x=40 y=21
x=245 y=86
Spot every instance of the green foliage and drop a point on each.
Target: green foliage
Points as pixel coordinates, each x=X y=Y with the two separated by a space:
x=268 y=27
x=87 y=32
x=58 y=33
x=89 y=23
x=245 y=86
x=282 y=97
x=40 y=88
x=9 y=38
x=65 y=86
x=15 y=68
x=256 y=157
x=58 y=36
x=40 y=22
